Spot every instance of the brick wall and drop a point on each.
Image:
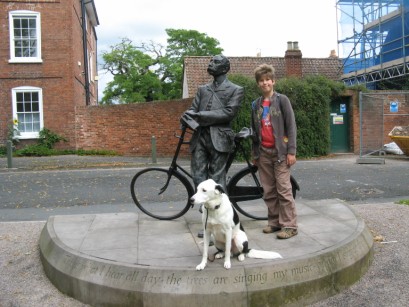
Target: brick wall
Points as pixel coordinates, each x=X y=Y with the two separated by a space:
x=371 y=129
x=128 y=129
x=377 y=119
x=354 y=121
x=401 y=118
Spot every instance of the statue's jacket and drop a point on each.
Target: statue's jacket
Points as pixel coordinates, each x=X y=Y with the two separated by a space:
x=216 y=108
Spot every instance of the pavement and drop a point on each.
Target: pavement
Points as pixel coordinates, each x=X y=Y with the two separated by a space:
x=71 y=162
x=388 y=223
x=110 y=258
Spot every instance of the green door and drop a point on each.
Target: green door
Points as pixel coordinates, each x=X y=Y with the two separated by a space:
x=339 y=125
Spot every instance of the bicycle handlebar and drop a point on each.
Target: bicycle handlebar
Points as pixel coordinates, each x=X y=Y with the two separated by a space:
x=244 y=133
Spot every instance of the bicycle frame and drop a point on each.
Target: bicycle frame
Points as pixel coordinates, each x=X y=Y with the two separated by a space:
x=174 y=166
x=235 y=193
x=243 y=193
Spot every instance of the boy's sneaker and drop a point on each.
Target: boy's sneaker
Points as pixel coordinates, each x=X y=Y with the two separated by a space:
x=287 y=233
x=271 y=229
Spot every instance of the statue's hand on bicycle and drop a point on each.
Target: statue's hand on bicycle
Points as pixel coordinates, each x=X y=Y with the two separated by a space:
x=187 y=120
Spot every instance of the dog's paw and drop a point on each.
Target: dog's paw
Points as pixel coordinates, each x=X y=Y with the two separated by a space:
x=241 y=257
x=219 y=255
x=227 y=265
x=201 y=266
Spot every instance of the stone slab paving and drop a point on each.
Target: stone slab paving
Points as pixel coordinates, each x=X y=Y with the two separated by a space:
x=129 y=259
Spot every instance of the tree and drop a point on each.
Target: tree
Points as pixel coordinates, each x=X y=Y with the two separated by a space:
x=134 y=80
x=183 y=43
x=143 y=73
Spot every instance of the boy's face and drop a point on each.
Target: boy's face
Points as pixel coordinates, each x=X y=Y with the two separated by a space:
x=266 y=84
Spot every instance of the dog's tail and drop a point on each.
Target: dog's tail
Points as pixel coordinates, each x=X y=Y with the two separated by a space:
x=258 y=254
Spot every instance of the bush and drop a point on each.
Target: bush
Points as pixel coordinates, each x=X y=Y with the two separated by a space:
x=35 y=150
x=44 y=147
x=48 y=138
x=3 y=150
x=96 y=152
x=311 y=98
x=243 y=117
x=251 y=92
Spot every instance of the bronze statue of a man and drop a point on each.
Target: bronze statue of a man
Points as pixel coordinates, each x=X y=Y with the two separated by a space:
x=214 y=107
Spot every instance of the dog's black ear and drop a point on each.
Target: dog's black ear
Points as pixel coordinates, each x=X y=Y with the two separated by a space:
x=219 y=188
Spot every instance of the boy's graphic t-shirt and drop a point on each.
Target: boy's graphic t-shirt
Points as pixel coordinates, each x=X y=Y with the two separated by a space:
x=267 y=136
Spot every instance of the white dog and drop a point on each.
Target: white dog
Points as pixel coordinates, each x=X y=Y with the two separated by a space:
x=222 y=221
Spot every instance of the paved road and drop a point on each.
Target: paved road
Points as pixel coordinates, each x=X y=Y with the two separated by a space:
x=37 y=188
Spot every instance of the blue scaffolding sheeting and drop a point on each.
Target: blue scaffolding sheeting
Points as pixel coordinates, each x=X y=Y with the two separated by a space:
x=373 y=40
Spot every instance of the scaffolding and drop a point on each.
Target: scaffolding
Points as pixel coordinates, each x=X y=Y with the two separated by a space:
x=373 y=40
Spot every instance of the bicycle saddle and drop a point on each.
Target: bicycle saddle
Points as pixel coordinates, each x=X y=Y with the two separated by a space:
x=244 y=133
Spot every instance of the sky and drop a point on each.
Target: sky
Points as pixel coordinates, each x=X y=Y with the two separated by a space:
x=243 y=28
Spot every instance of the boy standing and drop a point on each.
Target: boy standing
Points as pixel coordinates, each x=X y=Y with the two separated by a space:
x=274 y=149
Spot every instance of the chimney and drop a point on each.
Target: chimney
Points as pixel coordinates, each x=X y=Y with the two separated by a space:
x=259 y=53
x=333 y=54
x=293 y=65
x=289 y=45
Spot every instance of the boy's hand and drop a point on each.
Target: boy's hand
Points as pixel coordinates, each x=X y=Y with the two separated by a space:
x=291 y=159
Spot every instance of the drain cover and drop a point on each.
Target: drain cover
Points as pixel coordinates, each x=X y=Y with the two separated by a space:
x=368 y=191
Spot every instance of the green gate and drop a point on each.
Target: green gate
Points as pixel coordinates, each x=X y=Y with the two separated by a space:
x=339 y=125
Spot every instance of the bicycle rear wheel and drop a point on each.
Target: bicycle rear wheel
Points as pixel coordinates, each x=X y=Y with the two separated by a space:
x=246 y=195
x=169 y=204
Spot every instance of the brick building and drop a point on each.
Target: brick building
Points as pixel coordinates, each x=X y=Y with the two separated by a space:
x=48 y=65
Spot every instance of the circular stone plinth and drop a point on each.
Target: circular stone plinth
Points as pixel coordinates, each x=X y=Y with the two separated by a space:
x=128 y=259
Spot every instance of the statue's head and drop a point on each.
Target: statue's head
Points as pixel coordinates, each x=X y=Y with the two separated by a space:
x=219 y=65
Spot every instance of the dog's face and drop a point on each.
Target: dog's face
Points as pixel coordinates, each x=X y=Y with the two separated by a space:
x=208 y=193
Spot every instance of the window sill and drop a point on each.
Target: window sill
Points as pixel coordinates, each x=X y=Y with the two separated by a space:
x=25 y=61
x=29 y=136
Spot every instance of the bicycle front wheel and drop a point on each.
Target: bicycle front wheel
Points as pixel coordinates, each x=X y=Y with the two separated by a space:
x=246 y=195
x=161 y=194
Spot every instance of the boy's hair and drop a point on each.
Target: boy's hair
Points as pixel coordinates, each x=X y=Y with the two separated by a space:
x=264 y=69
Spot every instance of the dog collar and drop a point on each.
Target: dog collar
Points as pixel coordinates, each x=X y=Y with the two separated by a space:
x=215 y=208
x=207 y=214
